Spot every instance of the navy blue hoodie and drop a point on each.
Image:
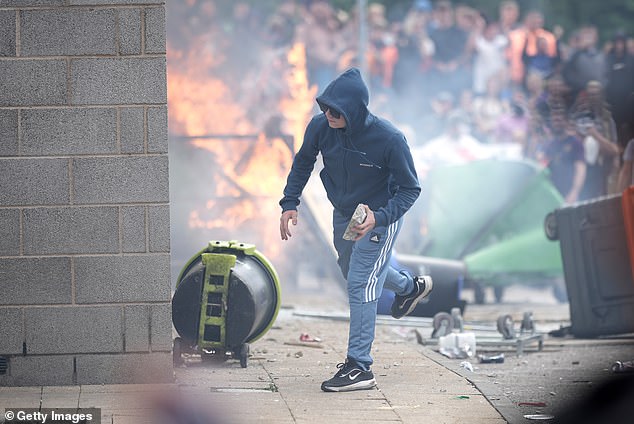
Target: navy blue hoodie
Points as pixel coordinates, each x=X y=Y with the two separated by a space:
x=368 y=161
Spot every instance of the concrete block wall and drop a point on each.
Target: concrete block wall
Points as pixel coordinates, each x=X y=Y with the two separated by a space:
x=84 y=205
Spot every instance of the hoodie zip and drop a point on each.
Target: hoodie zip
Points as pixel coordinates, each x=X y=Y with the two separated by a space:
x=344 y=192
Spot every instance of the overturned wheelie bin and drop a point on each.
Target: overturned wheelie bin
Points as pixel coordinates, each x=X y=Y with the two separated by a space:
x=227 y=296
x=489 y=214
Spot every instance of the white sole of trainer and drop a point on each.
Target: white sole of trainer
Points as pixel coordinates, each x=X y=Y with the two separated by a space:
x=361 y=385
x=429 y=285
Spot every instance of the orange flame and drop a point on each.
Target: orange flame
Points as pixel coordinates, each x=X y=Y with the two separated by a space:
x=248 y=174
x=197 y=100
x=298 y=105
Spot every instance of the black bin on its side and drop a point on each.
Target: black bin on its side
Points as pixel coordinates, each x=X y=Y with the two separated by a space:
x=596 y=266
x=227 y=296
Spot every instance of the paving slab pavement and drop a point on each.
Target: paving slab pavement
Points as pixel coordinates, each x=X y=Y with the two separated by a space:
x=411 y=388
x=281 y=384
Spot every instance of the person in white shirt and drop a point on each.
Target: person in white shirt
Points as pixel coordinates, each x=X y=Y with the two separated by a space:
x=457 y=146
x=490 y=60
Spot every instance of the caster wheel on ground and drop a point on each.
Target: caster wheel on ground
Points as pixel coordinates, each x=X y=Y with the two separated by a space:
x=550 y=227
x=443 y=324
x=505 y=326
x=243 y=354
x=177 y=352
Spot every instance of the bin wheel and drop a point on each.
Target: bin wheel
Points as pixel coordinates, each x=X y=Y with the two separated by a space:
x=244 y=355
x=177 y=352
x=550 y=227
x=505 y=326
x=443 y=324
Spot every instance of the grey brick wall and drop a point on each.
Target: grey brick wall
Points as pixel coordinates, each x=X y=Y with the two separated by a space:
x=141 y=368
x=157 y=129
x=7 y=33
x=9 y=232
x=122 y=279
x=130 y=31
x=35 y=281
x=11 y=334
x=136 y=321
x=134 y=229
x=132 y=135
x=49 y=370
x=74 y=330
x=70 y=230
x=68 y=32
x=120 y=180
x=129 y=80
x=33 y=82
x=30 y=181
x=155 y=30
x=84 y=203
x=70 y=131
x=8 y=132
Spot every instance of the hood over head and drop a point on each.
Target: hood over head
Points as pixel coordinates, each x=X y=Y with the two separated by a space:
x=348 y=95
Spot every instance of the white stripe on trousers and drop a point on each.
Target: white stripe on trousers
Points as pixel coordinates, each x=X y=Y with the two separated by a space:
x=370 y=288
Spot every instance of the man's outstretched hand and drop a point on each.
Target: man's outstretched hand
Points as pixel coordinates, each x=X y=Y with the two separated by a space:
x=287 y=216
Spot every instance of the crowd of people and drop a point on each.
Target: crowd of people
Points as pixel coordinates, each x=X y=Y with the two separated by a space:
x=464 y=85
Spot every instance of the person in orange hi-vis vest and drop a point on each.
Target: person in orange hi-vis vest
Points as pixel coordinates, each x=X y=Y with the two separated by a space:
x=526 y=37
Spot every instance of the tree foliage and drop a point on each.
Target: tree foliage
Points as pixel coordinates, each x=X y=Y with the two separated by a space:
x=608 y=15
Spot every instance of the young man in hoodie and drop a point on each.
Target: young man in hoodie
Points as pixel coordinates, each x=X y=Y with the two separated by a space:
x=366 y=161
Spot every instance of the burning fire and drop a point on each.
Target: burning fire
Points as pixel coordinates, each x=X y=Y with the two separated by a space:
x=199 y=103
x=298 y=106
x=250 y=163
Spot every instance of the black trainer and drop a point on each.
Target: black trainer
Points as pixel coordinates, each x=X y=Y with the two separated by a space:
x=404 y=305
x=349 y=377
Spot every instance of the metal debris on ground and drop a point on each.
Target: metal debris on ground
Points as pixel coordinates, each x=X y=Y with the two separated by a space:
x=536 y=404
x=495 y=359
x=306 y=340
x=561 y=332
x=458 y=345
x=513 y=338
x=467 y=365
x=305 y=337
x=443 y=323
x=304 y=344
x=623 y=367
x=539 y=417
